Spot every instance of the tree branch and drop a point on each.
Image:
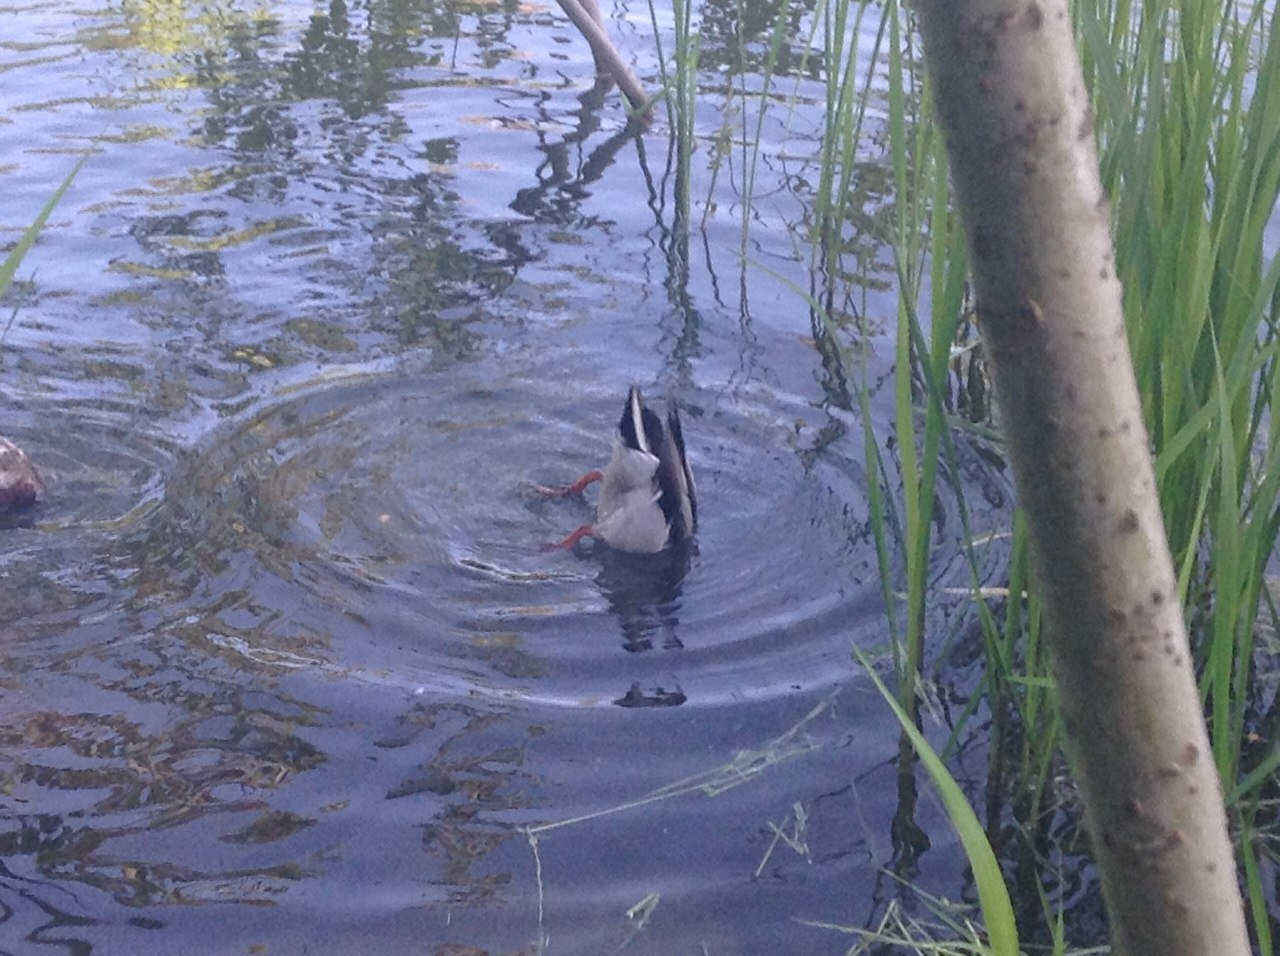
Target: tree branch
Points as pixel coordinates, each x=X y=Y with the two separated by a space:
x=587 y=17
x=1012 y=103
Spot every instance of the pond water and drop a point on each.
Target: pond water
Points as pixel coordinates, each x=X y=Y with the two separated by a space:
x=286 y=667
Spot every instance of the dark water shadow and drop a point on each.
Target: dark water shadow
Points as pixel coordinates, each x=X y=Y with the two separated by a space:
x=644 y=593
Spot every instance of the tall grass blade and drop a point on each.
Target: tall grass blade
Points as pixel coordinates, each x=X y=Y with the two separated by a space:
x=14 y=259
x=993 y=896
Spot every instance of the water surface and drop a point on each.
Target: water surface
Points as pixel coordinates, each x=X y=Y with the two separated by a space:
x=286 y=666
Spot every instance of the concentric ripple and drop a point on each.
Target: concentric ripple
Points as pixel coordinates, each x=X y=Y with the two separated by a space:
x=384 y=519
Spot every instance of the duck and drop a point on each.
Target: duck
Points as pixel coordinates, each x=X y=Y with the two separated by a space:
x=20 y=484
x=648 y=501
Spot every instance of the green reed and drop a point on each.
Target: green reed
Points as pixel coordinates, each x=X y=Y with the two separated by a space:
x=1187 y=100
x=9 y=267
x=1188 y=104
x=1190 y=131
x=1198 y=107
x=679 y=73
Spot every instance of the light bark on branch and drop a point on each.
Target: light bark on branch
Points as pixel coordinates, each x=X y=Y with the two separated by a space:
x=586 y=16
x=1020 y=139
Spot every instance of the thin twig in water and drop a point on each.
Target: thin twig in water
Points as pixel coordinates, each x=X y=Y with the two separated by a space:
x=746 y=765
x=537 y=875
x=639 y=916
x=796 y=840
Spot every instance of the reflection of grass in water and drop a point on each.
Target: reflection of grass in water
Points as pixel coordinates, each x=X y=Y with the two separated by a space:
x=746 y=766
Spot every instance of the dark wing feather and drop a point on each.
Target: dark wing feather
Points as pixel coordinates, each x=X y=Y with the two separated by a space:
x=676 y=479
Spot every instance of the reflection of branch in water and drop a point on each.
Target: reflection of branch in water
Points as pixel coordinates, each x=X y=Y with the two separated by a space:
x=561 y=187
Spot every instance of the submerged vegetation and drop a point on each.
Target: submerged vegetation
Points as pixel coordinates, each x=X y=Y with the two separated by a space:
x=1187 y=103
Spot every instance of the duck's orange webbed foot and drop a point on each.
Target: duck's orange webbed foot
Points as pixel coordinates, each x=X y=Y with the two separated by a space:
x=585 y=531
x=577 y=488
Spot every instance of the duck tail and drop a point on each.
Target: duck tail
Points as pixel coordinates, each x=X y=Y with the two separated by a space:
x=679 y=479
